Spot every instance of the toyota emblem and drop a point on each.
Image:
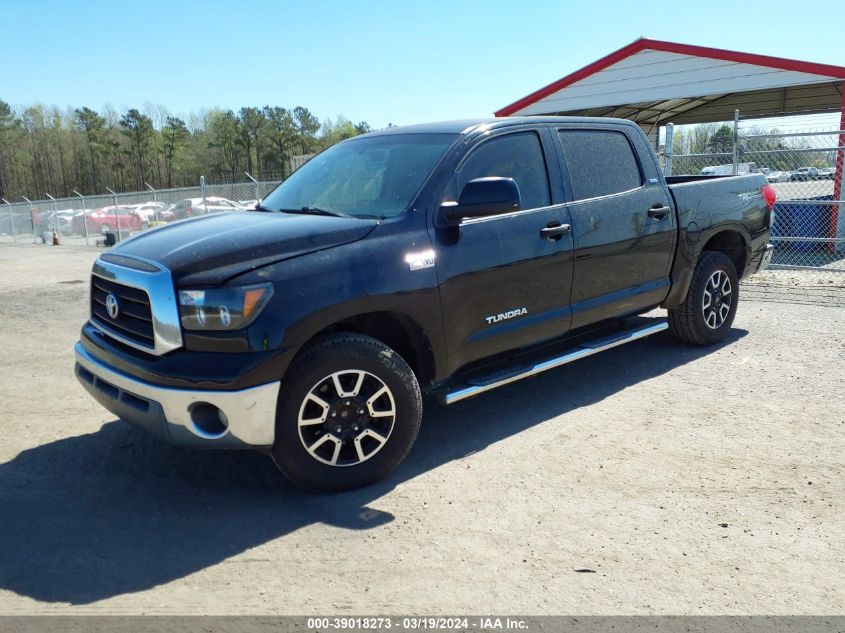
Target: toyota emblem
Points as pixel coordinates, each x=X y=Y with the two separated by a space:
x=112 y=307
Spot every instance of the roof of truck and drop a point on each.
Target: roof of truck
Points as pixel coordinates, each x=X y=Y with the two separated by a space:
x=464 y=126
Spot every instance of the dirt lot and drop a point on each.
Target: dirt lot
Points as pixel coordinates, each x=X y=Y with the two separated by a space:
x=687 y=480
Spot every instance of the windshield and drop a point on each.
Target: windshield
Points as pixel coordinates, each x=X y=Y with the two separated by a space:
x=374 y=176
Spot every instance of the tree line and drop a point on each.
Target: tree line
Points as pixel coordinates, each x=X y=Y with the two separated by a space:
x=48 y=150
x=45 y=149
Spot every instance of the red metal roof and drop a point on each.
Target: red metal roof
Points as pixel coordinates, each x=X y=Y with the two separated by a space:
x=834 y=72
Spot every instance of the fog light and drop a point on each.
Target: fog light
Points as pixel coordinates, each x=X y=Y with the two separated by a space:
x=208 y=420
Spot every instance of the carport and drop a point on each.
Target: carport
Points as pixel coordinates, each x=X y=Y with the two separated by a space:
x=654 y=83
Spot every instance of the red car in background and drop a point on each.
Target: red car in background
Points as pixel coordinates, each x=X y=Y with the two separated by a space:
x=106 y=220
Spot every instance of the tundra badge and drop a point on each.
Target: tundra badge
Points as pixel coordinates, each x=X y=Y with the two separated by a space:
x=506 y=315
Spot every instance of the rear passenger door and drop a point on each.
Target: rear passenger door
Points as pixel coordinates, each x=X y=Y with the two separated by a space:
x=623 y=223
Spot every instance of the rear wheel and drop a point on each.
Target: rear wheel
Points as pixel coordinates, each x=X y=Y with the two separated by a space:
x=708 y=312
x=347 y=415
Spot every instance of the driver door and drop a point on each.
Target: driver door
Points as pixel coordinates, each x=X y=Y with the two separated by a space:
x=504 y=285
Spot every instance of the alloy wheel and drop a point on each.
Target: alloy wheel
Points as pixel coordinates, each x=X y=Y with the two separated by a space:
x=346 y=418
x=716 y=304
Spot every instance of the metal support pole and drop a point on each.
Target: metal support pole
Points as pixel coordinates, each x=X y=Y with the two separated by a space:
x=837 y=216
x=11 y=220
x=116 y=216
x=84 y=216
x=55 y=214
x=32 y=219
x=202 y=192
x=736 y=141
x=155 y=199
x=667 y=149
x=257 y=188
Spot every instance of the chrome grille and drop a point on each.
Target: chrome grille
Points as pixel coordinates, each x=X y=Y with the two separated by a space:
x=148 y=315
x=134 y=319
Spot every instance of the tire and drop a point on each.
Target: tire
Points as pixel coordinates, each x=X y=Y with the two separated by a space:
x=698 y=322
x=349 y=438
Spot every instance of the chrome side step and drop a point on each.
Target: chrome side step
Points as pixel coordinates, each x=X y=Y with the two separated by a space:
x=585 y=349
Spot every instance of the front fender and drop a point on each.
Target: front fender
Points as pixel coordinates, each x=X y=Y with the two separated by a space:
x=318 y=290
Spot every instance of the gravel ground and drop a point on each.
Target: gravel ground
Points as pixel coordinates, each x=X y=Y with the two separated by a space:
x=654 y=478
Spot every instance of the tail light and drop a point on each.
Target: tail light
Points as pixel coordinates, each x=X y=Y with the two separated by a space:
x=769 y=195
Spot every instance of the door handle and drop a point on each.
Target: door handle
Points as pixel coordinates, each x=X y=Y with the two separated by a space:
x=659 y=211
x=554 y=231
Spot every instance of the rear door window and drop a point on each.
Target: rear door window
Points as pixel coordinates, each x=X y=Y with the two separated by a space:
x=600 y=162
x=518 y=156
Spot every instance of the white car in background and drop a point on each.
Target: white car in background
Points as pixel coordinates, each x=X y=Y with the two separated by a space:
x=190 y=207
x=64 y=218
x=778 y=176
x=148 y=210
x=728 y=170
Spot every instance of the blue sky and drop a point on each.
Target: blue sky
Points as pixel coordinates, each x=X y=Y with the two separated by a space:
x=398 y=62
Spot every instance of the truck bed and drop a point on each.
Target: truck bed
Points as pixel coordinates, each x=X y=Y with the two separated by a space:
x=737 y=198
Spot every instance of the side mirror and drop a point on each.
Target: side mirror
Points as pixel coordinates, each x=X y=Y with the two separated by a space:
x=483 y=197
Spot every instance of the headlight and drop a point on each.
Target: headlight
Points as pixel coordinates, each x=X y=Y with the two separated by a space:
x=222 y=308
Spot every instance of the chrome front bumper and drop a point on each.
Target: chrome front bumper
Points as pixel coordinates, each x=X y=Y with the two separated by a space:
x=250 y=414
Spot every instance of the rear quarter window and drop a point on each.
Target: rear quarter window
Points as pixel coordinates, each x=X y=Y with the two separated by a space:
x=600 y=162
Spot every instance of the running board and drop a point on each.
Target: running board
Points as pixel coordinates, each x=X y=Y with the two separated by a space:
x=486 y=383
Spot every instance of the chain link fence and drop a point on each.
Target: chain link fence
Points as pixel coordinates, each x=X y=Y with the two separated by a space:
x=808 y=232
x=90 y=219
x=809 y=229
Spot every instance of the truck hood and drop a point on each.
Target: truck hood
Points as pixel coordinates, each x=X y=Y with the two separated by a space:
x=214 y=248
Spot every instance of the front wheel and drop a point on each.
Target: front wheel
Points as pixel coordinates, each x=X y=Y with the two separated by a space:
x=348 y=414
x=708 y=311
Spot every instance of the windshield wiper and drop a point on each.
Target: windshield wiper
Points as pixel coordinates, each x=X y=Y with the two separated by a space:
x=261 y=207
x=317 y=211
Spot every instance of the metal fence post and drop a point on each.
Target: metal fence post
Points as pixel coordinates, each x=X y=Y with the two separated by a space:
x=257 y=188
x=116 y=216
x=736 y=141
x=84 y=216
x=32 y=220
x=202 y=192
x=155 y=200
x=11 y=220
x=667 y=149
x=55 y=214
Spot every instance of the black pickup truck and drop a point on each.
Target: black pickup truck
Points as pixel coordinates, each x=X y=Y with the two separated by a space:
x=448 y=258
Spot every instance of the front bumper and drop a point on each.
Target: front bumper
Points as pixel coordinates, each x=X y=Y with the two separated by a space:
x=169 y=413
